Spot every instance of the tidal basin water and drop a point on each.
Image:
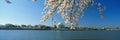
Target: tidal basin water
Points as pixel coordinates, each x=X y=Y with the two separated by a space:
x=58 y=35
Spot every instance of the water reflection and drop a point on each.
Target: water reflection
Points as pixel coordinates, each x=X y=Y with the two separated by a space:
x=87 y=35
x=58 y=35
x=75 y=35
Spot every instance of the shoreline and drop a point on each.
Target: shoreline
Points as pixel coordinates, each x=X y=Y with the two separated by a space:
x=53 y=29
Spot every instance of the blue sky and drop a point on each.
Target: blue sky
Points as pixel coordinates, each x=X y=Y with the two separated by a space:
x=29 y=13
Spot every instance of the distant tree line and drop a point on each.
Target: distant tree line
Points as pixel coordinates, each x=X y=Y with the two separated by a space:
x=44 y=27
x=26 y=27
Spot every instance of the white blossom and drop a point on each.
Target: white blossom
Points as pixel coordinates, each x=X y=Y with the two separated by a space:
x=70 y=10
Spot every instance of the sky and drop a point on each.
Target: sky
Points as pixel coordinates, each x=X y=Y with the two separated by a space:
x=29 y=13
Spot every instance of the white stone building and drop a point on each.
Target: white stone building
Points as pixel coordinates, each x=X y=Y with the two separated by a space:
x=60 y=26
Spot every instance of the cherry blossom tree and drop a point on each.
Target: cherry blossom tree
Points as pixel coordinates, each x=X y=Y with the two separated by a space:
x=70 y=10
